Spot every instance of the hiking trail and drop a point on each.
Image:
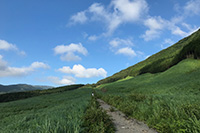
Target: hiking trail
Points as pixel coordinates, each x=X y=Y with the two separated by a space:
x=122 y=124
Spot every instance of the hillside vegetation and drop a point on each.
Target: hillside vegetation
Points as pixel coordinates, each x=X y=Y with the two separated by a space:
x=167 y=101
x=22 y=95
x=67 y=109
x=52 y=113
x=188 y=47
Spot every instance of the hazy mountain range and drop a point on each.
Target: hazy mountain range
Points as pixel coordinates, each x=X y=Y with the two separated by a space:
x=21 y=87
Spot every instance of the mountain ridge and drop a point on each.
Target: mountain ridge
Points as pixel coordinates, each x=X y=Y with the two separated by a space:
x=21 y=88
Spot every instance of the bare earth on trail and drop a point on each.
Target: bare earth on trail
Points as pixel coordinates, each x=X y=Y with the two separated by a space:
x=122 y=124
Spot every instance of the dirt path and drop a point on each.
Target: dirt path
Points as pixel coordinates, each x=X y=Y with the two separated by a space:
x=124 y=125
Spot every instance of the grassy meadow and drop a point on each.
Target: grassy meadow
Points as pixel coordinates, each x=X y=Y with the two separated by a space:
x=52 y=113
x=168 y=101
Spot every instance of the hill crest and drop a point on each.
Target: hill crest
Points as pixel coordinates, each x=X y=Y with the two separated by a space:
x=188 y=47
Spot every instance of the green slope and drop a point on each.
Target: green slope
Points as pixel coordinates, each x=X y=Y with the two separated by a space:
x=27 y=94
x=168 y=101
x=60 y=112
x=185 y=48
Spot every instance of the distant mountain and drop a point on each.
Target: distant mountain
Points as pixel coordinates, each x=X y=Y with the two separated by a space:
x=188 y=47
x=21 y=87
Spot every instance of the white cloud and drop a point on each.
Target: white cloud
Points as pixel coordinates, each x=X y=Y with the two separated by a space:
x=117 y=42
x=130 y=10
x=122 y=46
x=70 y=57
x=7 y=71
x=81 y=72
x=133 y=11
x=4 y=45
x=151 y=34
x=176 y=24
x=177 y=31
x=126 y=51
x=155 y=25
x=192 y=7
x=118 y=12
x=67 y=52
x=61 y=49
x=66 y=80
x=37 y=64
x=80 y=17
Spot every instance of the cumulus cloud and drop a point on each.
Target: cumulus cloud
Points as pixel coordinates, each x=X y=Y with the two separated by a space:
x=126 y=51
x=4 y=45
x=118 y=12
x=130 y=10
x=68 y=52
x=82 y=72
x=7 y=71
x=66 y=80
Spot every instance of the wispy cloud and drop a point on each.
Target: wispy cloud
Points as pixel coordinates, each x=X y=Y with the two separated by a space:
x=167 y=42
x=117 y=13
x=192 y=7
x=93 y=38
x=155 y=25
x=82 y=72
x=8 y=71
x=4 y=45
x=80 y=17
x=69 y=52
x=118 y=42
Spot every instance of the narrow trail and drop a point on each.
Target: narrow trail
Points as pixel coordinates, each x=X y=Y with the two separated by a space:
x=122 y=124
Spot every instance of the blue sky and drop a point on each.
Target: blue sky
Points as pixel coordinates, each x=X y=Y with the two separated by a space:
x=49 y=42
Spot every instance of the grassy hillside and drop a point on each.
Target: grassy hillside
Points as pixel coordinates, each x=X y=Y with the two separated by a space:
x=22 y=95
x=168 y=101
x=56 y=113
x=67 y=109
x=185 y=48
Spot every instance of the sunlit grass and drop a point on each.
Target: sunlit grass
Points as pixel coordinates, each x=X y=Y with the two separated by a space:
x=56 y=113
x=168 y=101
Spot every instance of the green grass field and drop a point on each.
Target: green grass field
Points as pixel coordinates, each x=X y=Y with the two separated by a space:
x=52 y=113
x=168 y=101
